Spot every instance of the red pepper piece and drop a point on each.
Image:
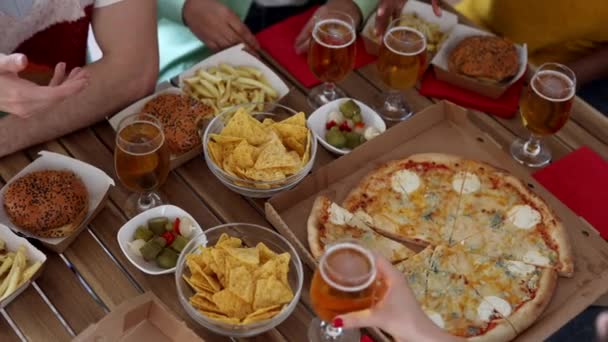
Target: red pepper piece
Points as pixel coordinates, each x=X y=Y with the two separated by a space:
x=344 y=127
x=169 y=237
x=360 y=125
x=330 y=124
x=176 y=226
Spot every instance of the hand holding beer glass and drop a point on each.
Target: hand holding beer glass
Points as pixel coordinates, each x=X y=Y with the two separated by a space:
x=345 y=281
x=141 y=159
x=545 y=107
x=401 y=62
x=331 y=55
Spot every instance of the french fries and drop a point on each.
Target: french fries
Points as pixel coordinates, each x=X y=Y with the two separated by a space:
x=14 y=270
x=226 y=86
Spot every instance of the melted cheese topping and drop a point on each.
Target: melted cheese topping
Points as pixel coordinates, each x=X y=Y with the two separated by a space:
x=524 y=216
x=519 y=268
x=535 y=258
x=339 y=215
x=436 y=318
x=486 y=308
x=467 y=182
x=405 y=182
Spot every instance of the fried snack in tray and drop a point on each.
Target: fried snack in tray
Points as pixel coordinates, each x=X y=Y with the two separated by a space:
x=181 y=118
x=261 y=151
x=226 y=86
x=431 y=31
x=240 y=285
x=14 y=269
x=487 y=58
x=47 y=203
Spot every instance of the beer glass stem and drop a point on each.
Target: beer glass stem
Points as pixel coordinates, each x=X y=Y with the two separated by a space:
x=532 y=147
x=329 y=90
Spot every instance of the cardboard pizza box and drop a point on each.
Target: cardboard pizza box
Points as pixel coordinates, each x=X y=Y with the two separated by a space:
x=95 y=180
x=143 y=318
x=490 y=89
x=448 y=128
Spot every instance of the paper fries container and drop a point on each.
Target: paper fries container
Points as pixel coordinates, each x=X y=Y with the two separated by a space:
x=237 y=56
x=447 y=128
x=176 y=160
x=32 y=253
x=143 y=318
x=96 y=181
x=490 y=89
x=446 y=22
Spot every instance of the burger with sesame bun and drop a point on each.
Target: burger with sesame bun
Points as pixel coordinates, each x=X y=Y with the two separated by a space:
x=49 y=204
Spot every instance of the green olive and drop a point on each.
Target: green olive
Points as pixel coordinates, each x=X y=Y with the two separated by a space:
x=143 y=233
x=353 y=139
x=336 y=138
x=167 y=258
x=349 y=109
x=157 y=225
x=357 y=118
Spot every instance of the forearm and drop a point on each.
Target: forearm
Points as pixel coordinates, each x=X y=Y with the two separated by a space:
x=592 y=67
x=113 y=85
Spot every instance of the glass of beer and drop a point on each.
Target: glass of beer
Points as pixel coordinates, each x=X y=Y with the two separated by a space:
x=141 y=159
x=402 y=60
x=331 y=55
x=545 y=107
x=345 y=281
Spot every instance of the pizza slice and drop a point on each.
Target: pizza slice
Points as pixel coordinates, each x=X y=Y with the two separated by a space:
x=415 y=270
x=329 y=223
x=518 y=291
x=500 y=217
x=411 y=200
x=457 y=308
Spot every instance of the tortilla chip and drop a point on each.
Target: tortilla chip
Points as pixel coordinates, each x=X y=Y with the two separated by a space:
x=249 y=256
x=240 y=282
x=269 y=292
x=220 y=318
x=274 y=155
x=265 y=253
x=243 y=125
x=263 y=314
x=231 y=305
x=298 y=120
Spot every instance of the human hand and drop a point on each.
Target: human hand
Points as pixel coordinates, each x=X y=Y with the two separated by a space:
x=602 y=327
x=346 y=6
x=23 y=98
x=217 y=25
x=398 y=312
x=388 y=9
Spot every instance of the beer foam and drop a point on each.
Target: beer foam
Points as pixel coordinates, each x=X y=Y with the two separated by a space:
x=332 y=282
x=404 y=28
x=337 y=22
x=553 y=85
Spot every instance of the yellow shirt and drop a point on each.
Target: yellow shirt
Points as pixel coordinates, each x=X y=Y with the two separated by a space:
x=555 y=30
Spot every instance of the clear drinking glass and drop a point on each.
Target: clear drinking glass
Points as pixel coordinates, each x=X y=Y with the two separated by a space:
x=545 y=108
x=331 y=55
x=345 y=281
x=402 y=60
x=141 y=160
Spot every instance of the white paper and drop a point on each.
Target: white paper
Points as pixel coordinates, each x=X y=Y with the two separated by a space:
x=459 y=32
x=236 y=56
x=446 y=22
x=96 y=181
x=33 y=254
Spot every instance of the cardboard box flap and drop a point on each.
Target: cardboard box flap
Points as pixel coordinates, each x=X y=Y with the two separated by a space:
x=143 y=318
x=447 y=128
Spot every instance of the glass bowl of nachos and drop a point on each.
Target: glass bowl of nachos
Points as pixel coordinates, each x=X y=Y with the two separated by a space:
x=243 y=280
x=259 y=149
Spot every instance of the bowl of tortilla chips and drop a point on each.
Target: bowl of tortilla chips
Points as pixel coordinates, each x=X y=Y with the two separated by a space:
x=259 y=149
x=241 y=281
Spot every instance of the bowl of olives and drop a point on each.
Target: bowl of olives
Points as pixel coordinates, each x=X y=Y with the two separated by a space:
x=344 y=124
x=154 y=239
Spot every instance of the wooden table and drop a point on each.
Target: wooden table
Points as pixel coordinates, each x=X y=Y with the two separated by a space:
x=79 y=286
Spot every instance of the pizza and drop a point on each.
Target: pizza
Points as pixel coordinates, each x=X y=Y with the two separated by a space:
x=329 y=223
x=494 y=249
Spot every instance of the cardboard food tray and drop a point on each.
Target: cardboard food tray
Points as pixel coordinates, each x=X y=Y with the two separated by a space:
x=424 y=11
x=447 y=128
x=237 y=56
x=136 y=107
x=96 y=181
x=143 y=318
x=32 y=254
x=490 y=89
